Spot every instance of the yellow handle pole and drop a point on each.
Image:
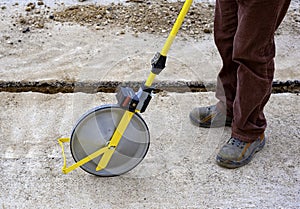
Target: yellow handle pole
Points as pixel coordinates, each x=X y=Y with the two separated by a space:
x=176 y=27
x=171 y=37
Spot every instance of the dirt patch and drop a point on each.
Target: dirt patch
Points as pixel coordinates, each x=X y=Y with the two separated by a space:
x=155 y=17
x=148 y=17
x=138 y=16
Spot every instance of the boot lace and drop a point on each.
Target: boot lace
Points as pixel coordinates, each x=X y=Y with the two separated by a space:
x=236 y=142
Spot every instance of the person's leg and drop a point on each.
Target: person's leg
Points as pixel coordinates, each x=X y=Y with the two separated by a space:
x=225 y=27
x=254 y=50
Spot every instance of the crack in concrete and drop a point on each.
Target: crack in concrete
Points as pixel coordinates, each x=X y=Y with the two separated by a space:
x=91 y=87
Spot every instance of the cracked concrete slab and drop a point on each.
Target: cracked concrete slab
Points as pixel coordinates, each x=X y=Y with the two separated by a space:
x=179 y=171
x=77 y=53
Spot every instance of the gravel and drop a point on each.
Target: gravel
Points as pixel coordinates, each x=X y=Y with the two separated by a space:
x=136 y=16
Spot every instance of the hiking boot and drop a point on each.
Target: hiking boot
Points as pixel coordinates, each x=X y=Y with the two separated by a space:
x=236 y=153
x=209 y=117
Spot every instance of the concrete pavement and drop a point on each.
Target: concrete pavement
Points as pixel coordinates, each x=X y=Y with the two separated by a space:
x=179 y=170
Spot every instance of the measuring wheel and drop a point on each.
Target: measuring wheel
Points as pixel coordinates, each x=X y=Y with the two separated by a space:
x=111 y=140
x=94 y=131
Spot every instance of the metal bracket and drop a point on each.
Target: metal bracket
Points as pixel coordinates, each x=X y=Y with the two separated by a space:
x=131 y=101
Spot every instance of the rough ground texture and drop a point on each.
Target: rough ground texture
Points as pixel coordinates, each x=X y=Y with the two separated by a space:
x=86 y=43
x=179 y=170
x=154 y=17
x=50 y=43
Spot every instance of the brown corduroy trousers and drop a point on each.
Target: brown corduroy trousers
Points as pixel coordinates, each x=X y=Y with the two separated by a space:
x=244 y=35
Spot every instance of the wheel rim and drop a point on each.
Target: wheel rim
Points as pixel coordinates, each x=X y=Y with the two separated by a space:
x=94 y=130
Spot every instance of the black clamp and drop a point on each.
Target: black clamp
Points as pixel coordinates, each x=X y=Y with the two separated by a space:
x=158 y=63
